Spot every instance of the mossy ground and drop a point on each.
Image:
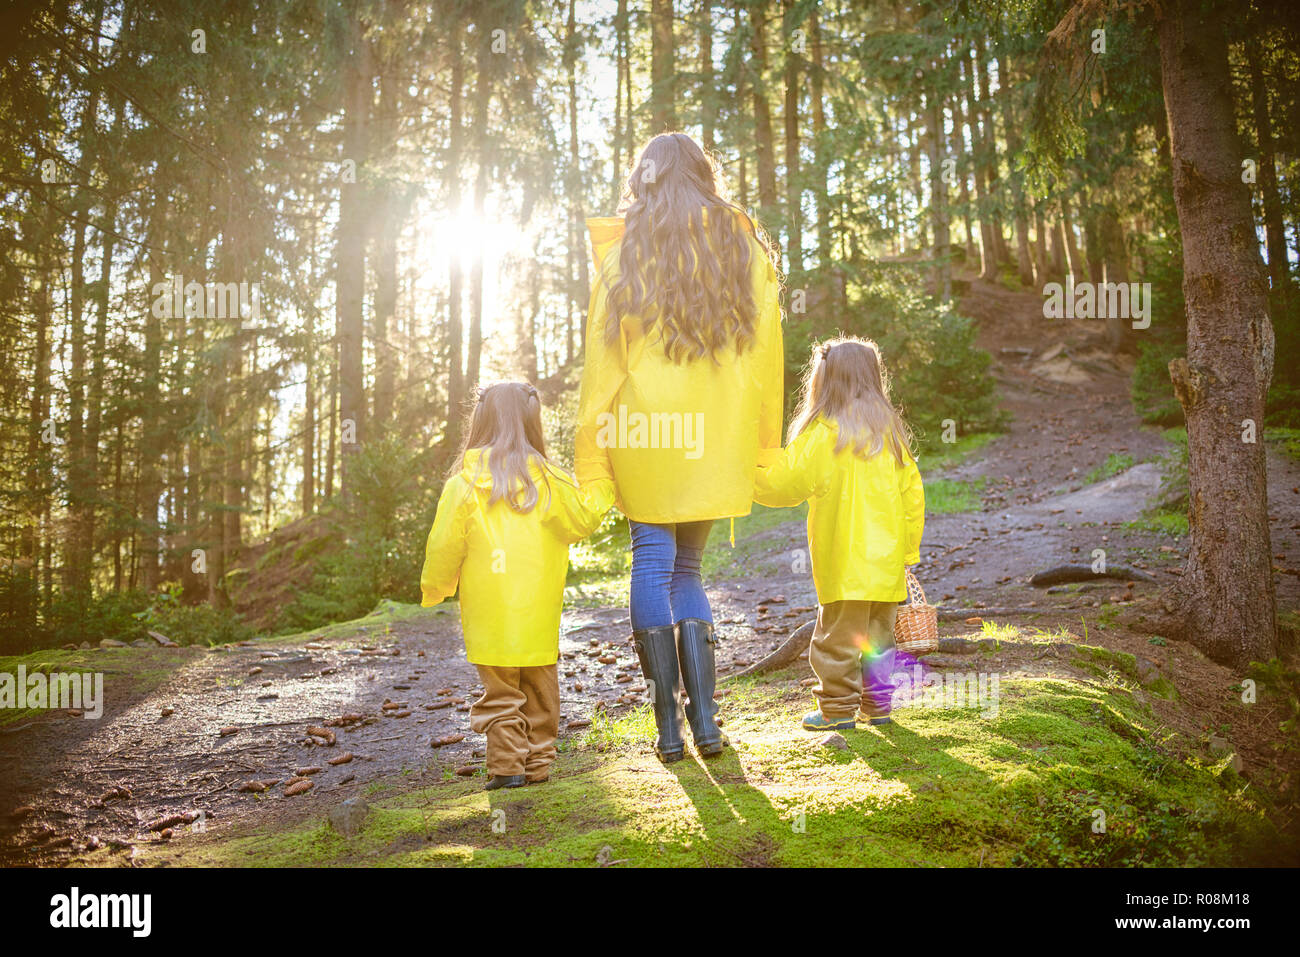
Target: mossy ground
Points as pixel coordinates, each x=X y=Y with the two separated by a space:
x=1031 y=785
x=135 y=669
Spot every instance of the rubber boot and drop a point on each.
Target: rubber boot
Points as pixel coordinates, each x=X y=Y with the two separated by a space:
x=695 y=640
x=658 y=657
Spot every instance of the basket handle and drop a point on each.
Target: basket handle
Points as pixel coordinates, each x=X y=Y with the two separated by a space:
x=915 y=593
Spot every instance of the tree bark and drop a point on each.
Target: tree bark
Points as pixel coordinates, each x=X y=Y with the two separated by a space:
x=1274 y=234
x=1226 y=593
x=764 y=154
x=663 y=71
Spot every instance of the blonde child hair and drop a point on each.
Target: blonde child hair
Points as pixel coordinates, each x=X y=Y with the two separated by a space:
x=845 y=382
x=507 y=424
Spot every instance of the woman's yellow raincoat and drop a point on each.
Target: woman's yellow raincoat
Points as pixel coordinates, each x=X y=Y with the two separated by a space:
x=680 y=441
x=865 y=515
x=510 y=566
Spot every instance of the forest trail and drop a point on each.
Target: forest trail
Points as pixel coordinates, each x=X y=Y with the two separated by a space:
x=185 y=728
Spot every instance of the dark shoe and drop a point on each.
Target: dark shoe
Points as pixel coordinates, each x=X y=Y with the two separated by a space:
x=504 y=781
x=695 y=639
x=657 y=652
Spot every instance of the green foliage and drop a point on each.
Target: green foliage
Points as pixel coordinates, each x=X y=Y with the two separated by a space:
x=935 y=369
x=1114 y=464
x=945 y=496
x=380 y=535
x=191 y=624
x=1151 y=390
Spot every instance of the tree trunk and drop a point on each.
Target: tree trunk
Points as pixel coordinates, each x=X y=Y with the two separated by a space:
x=1077 y=267
x=663 y=71
x=764 y=153
x=351 y=246
x=1226 y=593
x=482 y=100
x=821 y=189
x=1115 y=250
x=974 y=111
x=581 y=291
x=939 y=198
x=1274 y=235
x=456 y=275
x=793 y=190
x=708 y=95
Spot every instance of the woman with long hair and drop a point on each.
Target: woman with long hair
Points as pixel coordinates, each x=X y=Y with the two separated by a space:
x=682 y=393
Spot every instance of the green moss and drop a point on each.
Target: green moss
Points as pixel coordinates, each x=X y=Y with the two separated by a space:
x=133 y=670
x=949 y=496
x=940 y=455
x=1114 y=464
x=1286 y=441
x=938 y=787
x=1165 y=521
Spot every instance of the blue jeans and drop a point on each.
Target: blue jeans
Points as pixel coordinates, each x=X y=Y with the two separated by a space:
x=666 y=583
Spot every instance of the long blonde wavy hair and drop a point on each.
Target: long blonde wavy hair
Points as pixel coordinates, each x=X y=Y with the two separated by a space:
x=845 y=382
x=506 y=426
x=680 y=270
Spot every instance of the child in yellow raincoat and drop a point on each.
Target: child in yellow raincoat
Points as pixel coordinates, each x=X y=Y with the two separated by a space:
x=848 y=455
x=502 y=533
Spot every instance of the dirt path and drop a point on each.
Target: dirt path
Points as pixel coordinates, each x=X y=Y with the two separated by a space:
x=220 y=719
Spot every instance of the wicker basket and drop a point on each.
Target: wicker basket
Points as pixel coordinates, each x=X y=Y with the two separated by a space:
x=916 y=630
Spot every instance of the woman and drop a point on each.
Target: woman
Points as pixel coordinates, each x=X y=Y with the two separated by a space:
x=681 y=400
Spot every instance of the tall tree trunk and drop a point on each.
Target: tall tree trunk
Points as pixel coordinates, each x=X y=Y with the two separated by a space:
x=708 y=95
x=351 y=251
x=482 y=100
x=959 y=128
x=978 y=127
x=821 y=189
x=1115 y=251
x=95 y=406
x=765 y=157
x=1226 y=593
x=151 y=409
x=663 y=72
x=456 y=274
x=581 y=291
x=1077 y=267
x=793 y=176
x=1274 y=235
x=620 y=65
x=934 y=137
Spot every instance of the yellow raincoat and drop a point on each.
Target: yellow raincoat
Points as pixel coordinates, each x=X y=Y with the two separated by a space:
x=680 y=441
x=865 y=515
x=510 y=566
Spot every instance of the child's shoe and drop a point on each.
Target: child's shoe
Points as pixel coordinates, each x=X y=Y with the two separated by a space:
x=504 y=781
x=816 y=721
x=877 y=719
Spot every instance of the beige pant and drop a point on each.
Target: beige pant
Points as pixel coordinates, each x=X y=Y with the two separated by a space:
x=520 y=714
x=845 y=630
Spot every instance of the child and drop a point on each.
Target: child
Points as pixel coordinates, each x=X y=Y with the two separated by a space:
x=502 y=532
x=848 y=454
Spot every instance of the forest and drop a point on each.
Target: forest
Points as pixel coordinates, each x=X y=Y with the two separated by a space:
x=260 y=256
x=403 y=189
